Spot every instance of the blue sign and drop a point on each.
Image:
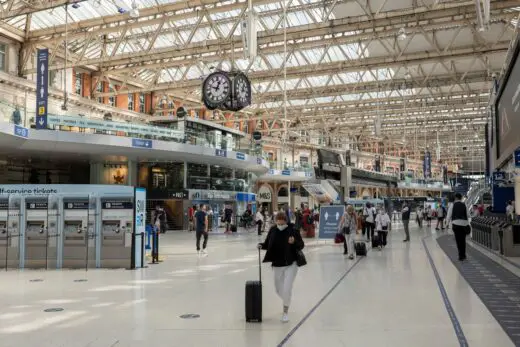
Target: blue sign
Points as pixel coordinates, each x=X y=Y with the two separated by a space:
x=499 y=176
x=21 y=131
x=140 y=143
x=286 y=172
x=330 y=219
x=246 y=197
x=42 y=88
x=427 y=165
x=241 y=156
x=221 y=153
x=259 y=161
x=308 y=174
x=517 y=158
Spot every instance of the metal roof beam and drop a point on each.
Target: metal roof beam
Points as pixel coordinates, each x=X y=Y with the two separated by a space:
x=14 y=8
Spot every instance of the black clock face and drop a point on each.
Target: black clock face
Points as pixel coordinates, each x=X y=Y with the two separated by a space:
x=216 y=88
x=242 y=90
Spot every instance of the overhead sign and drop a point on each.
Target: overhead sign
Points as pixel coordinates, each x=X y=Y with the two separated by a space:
x=264 y=194
x=240 y=156
x=517 y=158
x=42 y=88
x=499 y=176
x=221 y=153
x=21 y=131
x=181 y=112
x=427 y=165
x=140 y=143
x=330 y=218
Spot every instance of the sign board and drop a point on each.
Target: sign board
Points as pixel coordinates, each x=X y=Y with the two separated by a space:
x=75 y=205
x=264 y=194
x=21 y=131
x=427 y=165
x=286 y=172
x=140 y=224
x=181 y=112
x=259 y=161
x=221 y=153
x=47 y=189
x=240 y=156
x=140 y=143
x=499 y=176
x=117 y=205
x=37 y=205
x=42 y=88
x=330 y=218
x=179 y=194
x=517 y=158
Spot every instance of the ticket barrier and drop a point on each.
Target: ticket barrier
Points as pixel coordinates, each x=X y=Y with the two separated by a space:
x=79 y=248
x=116 y=233
x=512 y=240
x=9 y=234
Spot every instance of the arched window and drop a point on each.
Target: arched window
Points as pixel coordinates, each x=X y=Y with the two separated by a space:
x=283 y=191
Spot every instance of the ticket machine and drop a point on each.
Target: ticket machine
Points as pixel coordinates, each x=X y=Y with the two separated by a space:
x=116 y=232
x=36 y=240
x=78 y=247
x=9 y=232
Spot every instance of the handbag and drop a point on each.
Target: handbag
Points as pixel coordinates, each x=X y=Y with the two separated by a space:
x=339 y=238
x=346 y=230
x=300 y=258
x=384 y=228
x=467 y=229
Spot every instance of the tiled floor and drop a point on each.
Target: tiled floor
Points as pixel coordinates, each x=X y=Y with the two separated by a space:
x=389 y=298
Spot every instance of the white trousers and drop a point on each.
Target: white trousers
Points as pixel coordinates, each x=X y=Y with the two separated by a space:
x=283 y=282
x=350 y=243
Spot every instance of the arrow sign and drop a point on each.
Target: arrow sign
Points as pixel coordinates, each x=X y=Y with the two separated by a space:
x=42 y=87
x=328 y=227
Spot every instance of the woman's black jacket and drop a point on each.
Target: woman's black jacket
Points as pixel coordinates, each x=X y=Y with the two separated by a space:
x=279 y=252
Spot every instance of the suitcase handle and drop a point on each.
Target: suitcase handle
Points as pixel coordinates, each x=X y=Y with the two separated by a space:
x=259 y=266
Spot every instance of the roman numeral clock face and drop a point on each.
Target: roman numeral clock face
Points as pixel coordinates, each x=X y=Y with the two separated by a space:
x=242 y=90
x=216 y=89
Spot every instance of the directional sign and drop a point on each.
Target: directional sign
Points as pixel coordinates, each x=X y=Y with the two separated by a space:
x=140 y=143
x=286 y=172
x=221 y=153
x=330 y=217
x=42 y=88
x=240 y=156
x=21 y=131
x=517 y=158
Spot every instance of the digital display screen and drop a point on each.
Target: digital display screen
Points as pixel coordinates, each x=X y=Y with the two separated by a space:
x=328 y=157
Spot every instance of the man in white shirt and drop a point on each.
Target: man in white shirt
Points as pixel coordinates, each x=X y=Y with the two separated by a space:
x=440 y=217
x=369 y=214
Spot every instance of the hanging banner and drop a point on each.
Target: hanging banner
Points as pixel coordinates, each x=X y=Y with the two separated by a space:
x=377 y=163
x=42 y=88
x=427 y=165
x=445 y=174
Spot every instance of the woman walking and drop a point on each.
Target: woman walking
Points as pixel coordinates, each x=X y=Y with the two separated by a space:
x=283 y=244
x=382 y=226
x=348 y=227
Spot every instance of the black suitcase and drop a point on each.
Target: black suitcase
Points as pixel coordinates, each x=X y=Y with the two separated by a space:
x=233 y=228
x=361 y=248
x=254 y=297
x=376 y=240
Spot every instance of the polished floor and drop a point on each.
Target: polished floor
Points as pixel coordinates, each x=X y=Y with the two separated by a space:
x=405 y=295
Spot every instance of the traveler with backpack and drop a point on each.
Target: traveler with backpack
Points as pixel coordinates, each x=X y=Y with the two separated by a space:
x=348 y=227
x=441 y=214
x=458 y=215
x=405 y=217
x=369 y=216
x=382 y=227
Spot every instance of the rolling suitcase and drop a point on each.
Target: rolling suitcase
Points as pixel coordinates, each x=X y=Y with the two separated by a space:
x=360 y=248
x=254 y=297
x=376 y=240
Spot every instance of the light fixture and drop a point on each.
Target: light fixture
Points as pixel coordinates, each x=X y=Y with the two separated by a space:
x=401 y=35
x=134 y=12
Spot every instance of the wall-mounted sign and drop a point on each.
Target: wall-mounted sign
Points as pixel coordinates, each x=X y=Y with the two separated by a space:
x=286 y=172
x=21 y=131
x=264 y=194
x=240 y=156
x=42 y=88
x=221 y=153
x=37 y=205
x=117 y=205
x=140 y=143
x=75 y=205
x=200 y=194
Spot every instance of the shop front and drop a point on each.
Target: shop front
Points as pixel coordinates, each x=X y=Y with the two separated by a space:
x=265 y=197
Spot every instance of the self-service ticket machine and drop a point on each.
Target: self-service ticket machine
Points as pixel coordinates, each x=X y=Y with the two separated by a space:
x=36 y=237
x=116 y=232
x=78 y=245
x=9 y=232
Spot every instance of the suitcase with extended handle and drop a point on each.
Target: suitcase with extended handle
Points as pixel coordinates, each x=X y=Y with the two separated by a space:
x=254 y=296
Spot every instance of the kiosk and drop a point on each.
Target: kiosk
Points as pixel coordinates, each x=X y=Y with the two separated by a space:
x=78 y=247
x=36 y=236
x=116 y=232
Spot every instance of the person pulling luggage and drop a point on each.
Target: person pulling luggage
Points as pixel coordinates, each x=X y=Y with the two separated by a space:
x=348 y=227
x=283 y=244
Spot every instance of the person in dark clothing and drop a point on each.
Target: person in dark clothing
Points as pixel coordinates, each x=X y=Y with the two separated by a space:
x=458 y=215
x=282 y=244
x=228 y=213
x=405 y=216
x=201 y=229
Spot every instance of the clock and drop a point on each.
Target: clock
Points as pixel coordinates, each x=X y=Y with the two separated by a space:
x=216 y=90
x=242 y=90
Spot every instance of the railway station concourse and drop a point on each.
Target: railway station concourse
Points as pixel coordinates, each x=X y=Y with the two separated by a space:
x=149 y=148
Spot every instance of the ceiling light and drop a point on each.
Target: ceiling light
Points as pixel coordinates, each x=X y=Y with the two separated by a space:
x=134 y=12
x=401 y=35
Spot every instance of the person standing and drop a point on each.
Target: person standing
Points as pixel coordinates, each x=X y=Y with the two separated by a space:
x=419 y=216
x=458 y=215
x=441 y=214
x=405 y=216
x=201 y=229
x=228 y=213
x=282 y=245
x=382 y=226
x=348 y=227
x=369 y=215
x=259 y=220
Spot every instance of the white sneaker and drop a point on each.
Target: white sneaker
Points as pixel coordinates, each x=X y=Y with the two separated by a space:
x=351 y=256
x=285 y=318
x=204 y=253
